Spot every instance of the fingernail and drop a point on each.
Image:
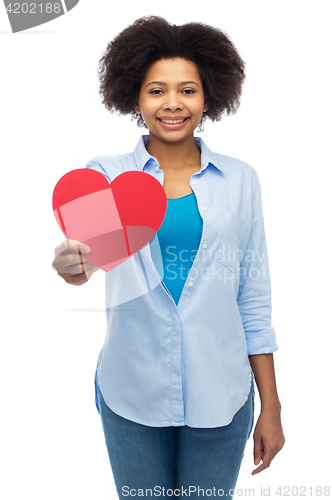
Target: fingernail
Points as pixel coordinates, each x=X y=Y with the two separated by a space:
x=86 y=248
x=256 y=461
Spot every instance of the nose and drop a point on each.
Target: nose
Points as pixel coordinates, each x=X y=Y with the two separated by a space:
x=172 y=102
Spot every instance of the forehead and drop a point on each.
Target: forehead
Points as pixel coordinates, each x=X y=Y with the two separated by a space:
x=172 y=71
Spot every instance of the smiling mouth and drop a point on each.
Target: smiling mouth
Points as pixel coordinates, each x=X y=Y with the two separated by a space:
x=173 y=122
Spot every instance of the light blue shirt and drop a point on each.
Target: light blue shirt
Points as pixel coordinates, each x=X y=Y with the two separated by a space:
x=164 y=364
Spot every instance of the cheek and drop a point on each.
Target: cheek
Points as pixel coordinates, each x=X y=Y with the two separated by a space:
x=145 y=107
x=199 y=105
x=149 y=113
x=199 y=110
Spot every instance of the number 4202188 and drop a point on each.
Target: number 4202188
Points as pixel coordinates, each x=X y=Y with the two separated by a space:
x=34 y=8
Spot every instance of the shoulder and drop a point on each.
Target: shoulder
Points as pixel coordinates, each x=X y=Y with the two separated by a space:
x=231 y=168
x=234 y=167
x=112 y=166
x=239 y=176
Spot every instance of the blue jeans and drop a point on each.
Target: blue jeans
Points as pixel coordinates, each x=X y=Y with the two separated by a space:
x=185 y=461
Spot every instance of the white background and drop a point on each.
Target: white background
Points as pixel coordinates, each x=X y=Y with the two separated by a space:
x=52 y=121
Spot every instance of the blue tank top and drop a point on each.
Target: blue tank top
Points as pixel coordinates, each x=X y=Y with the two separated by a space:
x=179 y=237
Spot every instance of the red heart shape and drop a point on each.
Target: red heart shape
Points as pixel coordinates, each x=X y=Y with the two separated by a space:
x=115 y=220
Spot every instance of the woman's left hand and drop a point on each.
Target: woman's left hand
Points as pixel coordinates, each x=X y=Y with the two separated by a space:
x=268 y=438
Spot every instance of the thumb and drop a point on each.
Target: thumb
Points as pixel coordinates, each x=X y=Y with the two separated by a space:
x=84 y=248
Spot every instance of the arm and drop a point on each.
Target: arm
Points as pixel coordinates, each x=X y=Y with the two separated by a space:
x=268 y=435
x=254 y=301
x=263 y=367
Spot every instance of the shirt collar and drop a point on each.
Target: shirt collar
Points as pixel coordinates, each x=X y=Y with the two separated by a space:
x=143 y=158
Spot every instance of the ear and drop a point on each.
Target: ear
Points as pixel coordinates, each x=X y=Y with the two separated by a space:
x=206 y=106
x=136 y=107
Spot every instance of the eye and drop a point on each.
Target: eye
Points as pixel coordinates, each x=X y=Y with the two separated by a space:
x=155 y=91
x=189 y=91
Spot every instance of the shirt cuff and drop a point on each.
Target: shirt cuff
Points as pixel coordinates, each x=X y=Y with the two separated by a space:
x=261 y=341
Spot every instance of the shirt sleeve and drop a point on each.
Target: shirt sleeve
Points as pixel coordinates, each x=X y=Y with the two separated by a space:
x=95 y=164
x=254 y=297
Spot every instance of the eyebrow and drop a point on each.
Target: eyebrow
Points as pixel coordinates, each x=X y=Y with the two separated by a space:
x=164 y=83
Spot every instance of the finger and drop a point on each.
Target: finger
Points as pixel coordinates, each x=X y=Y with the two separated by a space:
x=73 y=270
x=83 y=280
x=73 y=263
x=76 y=280
x=71 y=246
x=79 y=269
x=71 y=259
x=87 y=275
x=267 y=459
x=258 y=450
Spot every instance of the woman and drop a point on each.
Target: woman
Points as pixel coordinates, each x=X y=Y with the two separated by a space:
x=185 y=339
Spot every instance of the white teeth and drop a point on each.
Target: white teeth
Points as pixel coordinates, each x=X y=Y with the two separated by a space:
x=171 y=122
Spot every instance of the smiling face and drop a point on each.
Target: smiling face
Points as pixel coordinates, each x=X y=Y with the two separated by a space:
x=171 y=99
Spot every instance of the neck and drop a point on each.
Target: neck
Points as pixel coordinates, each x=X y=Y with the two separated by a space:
x=174 y=155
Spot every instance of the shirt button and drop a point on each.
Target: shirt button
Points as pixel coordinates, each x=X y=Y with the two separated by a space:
x=204 y=245
x=195 y=182
x=203 y=208
x=190 y=283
